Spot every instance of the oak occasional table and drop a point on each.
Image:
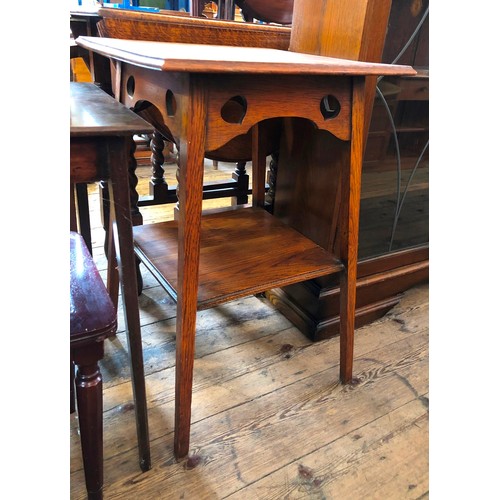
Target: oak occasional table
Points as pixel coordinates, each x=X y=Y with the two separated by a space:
x=207 y=95
x=101 y=130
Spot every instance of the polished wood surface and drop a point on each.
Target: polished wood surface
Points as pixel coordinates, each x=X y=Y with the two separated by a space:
x=169 y=28
x=101 y=153
x=359 y=33
x=196 y=58
x=229 y=268
x=268 y=418
x=355 y=30
x=93 y=113
x=164 y=27
x=345 y=29
x=191 y=102
x=314 y=305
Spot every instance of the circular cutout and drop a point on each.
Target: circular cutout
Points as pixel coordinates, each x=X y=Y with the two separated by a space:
x=171 y=103
x=234 y=110
x=329 y=107
x=131 y=86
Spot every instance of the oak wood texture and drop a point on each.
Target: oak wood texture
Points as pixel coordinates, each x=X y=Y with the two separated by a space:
x=161 y=73
x=346 y=29
x=356 y=30
x=338 y=28
x=191 y=140
x=350 y=193
x=172 y=28
x=229 y=267
x=359 y=32
x=166 y=28
x=101 y=130
x=92 y=320
x=196 y=58
x=269 y=421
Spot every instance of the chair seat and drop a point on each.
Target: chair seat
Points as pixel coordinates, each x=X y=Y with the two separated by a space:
x=92 y=313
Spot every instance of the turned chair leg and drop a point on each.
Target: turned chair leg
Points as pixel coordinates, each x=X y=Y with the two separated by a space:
x=92 y=320
x=89 y=396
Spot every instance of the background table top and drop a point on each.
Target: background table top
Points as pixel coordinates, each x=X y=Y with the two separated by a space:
x=93 y=112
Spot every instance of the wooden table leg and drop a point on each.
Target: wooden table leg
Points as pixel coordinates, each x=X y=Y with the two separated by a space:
x=190 y=176
x=349 y=227
x=123 y=243
x=82 y=198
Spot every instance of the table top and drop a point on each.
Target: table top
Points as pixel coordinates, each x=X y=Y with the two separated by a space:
x=196 y=58
x=93 y=112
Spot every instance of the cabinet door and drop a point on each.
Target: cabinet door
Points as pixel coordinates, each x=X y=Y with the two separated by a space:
x=395 y=185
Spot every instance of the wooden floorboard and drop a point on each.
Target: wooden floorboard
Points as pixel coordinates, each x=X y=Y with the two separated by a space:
x=270 y=419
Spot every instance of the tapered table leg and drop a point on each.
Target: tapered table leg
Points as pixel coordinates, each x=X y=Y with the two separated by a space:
x=123 y=242
x=350 y=199
x=190 y=176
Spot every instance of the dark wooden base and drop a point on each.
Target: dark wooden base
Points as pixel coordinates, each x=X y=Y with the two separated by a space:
x=313 y=306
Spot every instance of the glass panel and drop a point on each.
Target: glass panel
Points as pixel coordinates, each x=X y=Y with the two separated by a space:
x=395 y=183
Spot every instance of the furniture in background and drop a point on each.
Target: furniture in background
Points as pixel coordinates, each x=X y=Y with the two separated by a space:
x=209 y=260
x=101 y=130
x=393 y=245
x=263 y=11
x=225 y=8
x=166 y=27
x=355 y=30
x=84 y=22
x=393 y=250
x=92 y=321
x=277 y=11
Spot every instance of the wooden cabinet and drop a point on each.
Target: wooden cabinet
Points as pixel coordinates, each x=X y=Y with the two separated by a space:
x=394 y=216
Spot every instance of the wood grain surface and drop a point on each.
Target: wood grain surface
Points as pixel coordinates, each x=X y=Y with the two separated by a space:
x=270 y=419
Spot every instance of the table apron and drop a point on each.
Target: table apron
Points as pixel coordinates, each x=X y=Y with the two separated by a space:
x=89 y=158
x=237 y=102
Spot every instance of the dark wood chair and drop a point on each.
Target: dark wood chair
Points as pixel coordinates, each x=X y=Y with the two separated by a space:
x=92 y=320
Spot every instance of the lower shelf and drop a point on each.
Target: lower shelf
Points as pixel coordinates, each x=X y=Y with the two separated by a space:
x=243 y=252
